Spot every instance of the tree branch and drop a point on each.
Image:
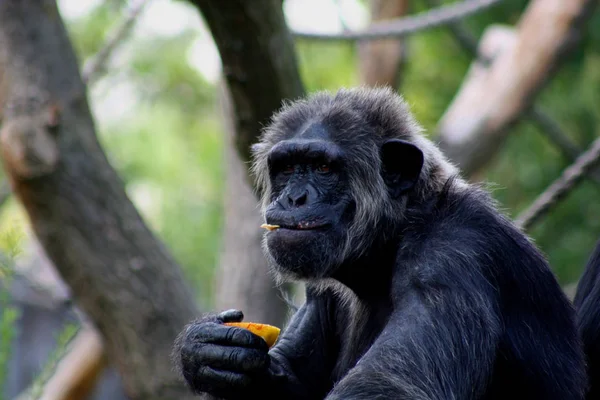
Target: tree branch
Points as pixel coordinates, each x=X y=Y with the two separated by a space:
x=243 y=278
x=340 y=16
x=120 y=275
x=95 y=66
x=559 y=189
x=544 y=121
x=480 y=115
x=408 y=25
x=261 y=71
x=259 y=61
x=380 y=61
x=461 y=34
x=553 y=131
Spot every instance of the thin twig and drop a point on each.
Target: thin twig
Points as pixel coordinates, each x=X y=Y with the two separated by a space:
x=550 y=127
x=555 y=192
x=408 y=25
x=94 y=67
x=340 y=15
x=554 y=132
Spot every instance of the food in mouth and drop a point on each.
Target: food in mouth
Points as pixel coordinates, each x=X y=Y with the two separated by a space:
x=300 y=226
x=270 y=227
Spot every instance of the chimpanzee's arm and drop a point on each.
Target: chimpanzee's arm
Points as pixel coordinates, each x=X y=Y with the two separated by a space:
x=439 y=343
x=302 y=359
x=232 y=363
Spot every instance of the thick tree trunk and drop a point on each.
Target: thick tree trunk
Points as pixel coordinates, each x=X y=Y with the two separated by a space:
x=243 y=281
x=381 y=60
x=260 y=69
x=120 y=275
x=259 y=61
x=493 y=98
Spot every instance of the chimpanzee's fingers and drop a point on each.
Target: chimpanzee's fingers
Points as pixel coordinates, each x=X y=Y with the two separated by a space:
x=231 y=316
x=217 y=382
x=227 y=358
x=215 y=333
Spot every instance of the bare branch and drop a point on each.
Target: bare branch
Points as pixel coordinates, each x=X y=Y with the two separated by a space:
x=340 y=16
x=559 y=189
x=261 y=72
x=380 y=61
x=462 y=35
x=492 y=99
x=408 y=25
x=242 y=277
x=95 y=66
x=544 y=121
x=554 y=132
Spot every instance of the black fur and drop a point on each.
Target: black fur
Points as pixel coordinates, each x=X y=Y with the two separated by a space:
x=587 y=301
x=417 y=287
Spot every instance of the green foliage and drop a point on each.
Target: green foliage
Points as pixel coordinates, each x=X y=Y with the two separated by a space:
x=168 y=147
x=8 y=320
x=10 y=248
x=173 y=170
x=328 y=72
x=169 y=78
x=90 y=31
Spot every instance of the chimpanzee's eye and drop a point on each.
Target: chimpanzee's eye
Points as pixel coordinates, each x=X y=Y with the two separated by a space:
x=324 y=168
x=288 y=169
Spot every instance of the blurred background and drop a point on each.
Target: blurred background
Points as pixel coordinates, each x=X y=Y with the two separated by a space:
x=157 y=105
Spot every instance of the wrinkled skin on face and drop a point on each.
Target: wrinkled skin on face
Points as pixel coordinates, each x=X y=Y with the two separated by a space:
x=310 y=203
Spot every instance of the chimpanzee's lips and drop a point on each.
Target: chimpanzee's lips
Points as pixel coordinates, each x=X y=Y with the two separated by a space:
x=300 y=225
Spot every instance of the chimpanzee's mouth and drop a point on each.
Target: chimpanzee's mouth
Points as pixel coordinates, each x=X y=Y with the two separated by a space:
x=307 y=226
x=296 y=226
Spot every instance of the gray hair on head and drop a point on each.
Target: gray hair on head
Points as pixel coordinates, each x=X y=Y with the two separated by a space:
x=361 y=120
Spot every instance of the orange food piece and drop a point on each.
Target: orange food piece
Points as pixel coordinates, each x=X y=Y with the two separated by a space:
x=270 y=227
x=269 y=333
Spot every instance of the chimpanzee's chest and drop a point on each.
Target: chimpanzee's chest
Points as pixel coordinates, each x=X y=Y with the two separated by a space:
x=357 y=327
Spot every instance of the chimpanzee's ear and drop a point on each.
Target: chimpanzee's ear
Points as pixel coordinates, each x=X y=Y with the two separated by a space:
x=401 y=165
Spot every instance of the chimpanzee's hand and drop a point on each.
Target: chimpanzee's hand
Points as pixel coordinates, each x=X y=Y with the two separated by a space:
x=218 y=359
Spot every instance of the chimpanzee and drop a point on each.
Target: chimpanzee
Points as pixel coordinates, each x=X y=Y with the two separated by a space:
x=587 y=302
x=417 y=287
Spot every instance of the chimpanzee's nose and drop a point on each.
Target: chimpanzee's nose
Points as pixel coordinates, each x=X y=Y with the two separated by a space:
x=298 y=198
